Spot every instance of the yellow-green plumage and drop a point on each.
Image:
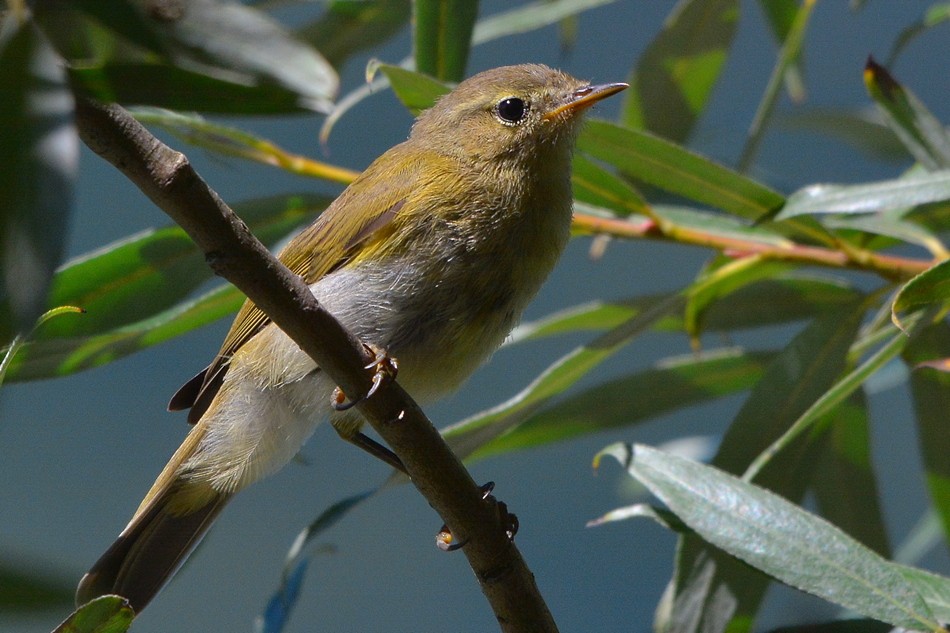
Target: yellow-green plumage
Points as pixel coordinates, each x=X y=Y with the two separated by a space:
x=431 y=254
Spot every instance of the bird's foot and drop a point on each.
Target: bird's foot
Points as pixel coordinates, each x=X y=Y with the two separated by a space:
x=446 y=542
x=385 y=369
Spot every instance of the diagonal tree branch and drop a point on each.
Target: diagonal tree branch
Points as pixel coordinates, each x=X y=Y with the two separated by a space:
x=167 y=178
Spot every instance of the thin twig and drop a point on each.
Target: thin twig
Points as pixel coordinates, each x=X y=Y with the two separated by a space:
x=890 y=267
x=167 y=178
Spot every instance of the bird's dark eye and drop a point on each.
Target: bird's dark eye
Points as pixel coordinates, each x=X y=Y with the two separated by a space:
x=511 y=109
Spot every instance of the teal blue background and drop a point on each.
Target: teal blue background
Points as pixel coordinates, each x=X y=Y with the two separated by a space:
x=79 y=453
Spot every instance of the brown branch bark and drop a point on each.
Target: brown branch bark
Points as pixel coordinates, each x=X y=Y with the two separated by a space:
x=891 y=267
x=167 y=178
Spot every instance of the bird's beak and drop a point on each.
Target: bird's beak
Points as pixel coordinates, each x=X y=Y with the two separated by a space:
x=583 y=98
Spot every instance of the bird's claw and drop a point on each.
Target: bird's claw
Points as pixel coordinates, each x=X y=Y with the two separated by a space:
x=385 y=369
x=446 y=542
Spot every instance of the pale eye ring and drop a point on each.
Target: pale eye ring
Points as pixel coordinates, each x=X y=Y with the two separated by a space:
x=511 y=110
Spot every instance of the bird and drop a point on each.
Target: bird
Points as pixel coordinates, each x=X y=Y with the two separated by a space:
x=431 y=254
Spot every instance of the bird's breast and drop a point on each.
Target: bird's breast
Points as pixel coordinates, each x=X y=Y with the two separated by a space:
x=444 y=308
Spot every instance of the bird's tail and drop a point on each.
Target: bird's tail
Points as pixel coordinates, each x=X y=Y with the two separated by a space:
x=167 y=527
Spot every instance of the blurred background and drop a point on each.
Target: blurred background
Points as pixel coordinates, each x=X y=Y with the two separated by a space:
x=79 y=453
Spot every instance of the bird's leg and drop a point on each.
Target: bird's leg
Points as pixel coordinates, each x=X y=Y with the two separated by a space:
x=385 y=371
x=386 y=368
x=377 y=450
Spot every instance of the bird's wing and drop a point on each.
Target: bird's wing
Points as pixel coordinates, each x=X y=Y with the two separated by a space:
x=363 y=215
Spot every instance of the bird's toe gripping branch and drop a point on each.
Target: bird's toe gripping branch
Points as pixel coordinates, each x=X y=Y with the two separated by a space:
x=446 y=542
x=385 y=369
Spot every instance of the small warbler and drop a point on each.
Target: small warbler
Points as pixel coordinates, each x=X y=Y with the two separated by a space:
x=432 y=254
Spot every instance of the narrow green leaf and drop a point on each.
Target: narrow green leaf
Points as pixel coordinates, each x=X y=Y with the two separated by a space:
x=350 y=100
x=931 y=392
x=640 y=510
x=107 y=614
x=931 y=287
x=935 y=14
x=709 y=582
x=675 y=75
x=718 y=284
x=670 y=385
x=231 y=141
x=166 y=86
x=467 y=436
x=851 y=625
x=596 y=186
x=934 y=589
x=844 y=483
x=443 y=36
x=346 y=28
x=567 y=30
x=829 y=400
x=195 y=129
x=720 y=225
x=132 y=279
x=802 y=373
x=62 y=356
x=323 y=522
x=243 y=41
x=783 y=299
x=124 y=17
x=677 y=170
x=125 y=281
x=780 y=15
x=284 y=599
x=130 y=305
x=177 y=58
x=935 y=217
x=920 y=540
x=7 y=353
x=39 y=153
x=588 y=317
x=529 y=18
x=715 y=595
x=281 y=604
x=78 y=33
x=781 y=539
x=864 y=130
x=883 y=225
x=416 y=90
x=790 y=51
x=872 y=197
x=920 y=131
x=12 y=350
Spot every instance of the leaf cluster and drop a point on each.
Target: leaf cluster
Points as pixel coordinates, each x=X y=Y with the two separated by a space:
x=776 y=259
